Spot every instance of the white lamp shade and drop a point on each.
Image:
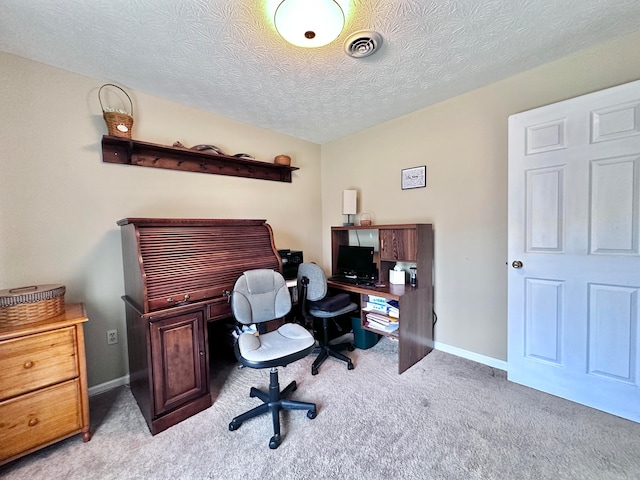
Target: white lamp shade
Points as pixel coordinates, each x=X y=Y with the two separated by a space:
x=349 y=200
x=309 y=23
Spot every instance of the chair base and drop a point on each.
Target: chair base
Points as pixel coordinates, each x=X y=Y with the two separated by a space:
x=274 y=401
x=326 y=351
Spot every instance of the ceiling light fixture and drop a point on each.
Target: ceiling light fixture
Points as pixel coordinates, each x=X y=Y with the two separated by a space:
x=309 y=23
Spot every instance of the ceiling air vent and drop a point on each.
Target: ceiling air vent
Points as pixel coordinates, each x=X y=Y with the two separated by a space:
x=362 y=44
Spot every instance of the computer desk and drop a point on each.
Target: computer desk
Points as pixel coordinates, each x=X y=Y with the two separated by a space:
x=415 y=325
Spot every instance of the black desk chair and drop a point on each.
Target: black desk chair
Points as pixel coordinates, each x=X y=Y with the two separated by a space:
x=316 y=304
x=260 y=296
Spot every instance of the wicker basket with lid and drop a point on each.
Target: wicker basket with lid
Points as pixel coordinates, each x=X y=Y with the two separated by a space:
x=30 y=304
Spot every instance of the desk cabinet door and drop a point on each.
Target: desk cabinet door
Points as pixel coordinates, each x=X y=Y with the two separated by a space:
x=178 y=360
x=398 y=244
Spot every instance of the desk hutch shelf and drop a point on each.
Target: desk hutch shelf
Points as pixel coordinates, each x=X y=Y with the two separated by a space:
x=411 y=243
x=143 y=154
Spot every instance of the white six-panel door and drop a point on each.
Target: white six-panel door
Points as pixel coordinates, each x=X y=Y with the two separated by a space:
x=574 y=228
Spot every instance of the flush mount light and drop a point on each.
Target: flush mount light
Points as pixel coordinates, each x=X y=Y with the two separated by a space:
x=309 y=23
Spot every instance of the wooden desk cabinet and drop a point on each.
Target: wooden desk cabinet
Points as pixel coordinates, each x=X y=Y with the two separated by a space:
x=412 y=243
x=43 y=383
x=168 y=365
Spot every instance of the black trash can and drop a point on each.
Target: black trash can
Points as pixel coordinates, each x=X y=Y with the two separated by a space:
x=362 y=338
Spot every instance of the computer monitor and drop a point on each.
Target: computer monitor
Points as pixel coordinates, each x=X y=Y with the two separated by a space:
x=356 y=262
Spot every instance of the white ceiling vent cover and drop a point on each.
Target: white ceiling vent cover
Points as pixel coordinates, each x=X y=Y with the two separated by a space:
x=362 y=43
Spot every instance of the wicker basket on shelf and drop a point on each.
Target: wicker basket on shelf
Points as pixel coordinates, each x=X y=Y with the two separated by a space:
x=19 y=306
x=119 y=122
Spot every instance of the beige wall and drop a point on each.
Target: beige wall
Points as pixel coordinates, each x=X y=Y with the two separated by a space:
x=59 y=203
x=463 y=143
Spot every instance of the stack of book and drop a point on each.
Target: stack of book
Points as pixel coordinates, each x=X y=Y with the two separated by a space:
x=382 y=314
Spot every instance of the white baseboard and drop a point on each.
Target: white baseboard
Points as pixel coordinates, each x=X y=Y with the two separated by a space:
x=111 y=384
x=476 y=357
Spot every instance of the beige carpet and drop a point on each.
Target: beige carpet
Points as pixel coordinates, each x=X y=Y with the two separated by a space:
x=445 y=418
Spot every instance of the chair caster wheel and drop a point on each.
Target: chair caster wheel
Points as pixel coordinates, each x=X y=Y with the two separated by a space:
x=351 y=347
x=234 y=426
x=312 y=414
x=274 y=442
x=350 y=366
x=314 y=371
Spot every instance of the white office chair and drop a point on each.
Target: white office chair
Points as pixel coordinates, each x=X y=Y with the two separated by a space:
x=260 y=296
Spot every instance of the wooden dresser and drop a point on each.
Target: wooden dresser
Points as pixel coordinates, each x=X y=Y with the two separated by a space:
x=178 y=274
x=43 y=383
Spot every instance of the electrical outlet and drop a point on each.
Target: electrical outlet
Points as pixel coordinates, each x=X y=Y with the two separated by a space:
x=112 y=337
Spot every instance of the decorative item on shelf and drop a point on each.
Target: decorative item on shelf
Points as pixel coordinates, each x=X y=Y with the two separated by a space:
x=244 y=155
x=365 y=220
x=282 y=160
x=413 y=275
x=30 y=304
x=349 y=206
x=119 y=120
x=309 y=23
x=208 y=149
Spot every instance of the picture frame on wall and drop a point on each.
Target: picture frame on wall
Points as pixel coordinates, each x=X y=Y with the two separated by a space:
x=414 y=177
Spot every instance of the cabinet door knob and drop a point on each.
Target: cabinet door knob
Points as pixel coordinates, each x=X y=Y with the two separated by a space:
x=28 y=364
x=517 y=264
x=33 y=422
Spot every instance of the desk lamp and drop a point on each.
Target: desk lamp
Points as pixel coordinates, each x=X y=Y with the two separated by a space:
x=349 y=206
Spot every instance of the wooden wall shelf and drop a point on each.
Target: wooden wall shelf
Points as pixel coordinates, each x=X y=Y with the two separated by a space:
x=133 y=152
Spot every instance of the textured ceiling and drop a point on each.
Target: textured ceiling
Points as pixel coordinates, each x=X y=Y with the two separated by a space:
x=225 y=56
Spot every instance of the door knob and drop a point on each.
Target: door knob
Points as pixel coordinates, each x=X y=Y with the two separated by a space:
x=516 y=264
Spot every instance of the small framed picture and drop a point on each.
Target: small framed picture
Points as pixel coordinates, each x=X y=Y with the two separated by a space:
x=415 y=177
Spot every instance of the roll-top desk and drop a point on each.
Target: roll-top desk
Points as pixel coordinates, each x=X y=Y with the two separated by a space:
x=411 y=243
x=178 y=274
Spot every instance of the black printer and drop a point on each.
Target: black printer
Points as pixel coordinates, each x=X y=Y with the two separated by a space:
x=291 y=259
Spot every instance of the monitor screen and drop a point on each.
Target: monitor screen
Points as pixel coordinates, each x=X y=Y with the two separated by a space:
x=356 y=261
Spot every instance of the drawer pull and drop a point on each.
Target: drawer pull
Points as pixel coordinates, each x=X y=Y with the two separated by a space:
x=28 y=364
x=33 y=422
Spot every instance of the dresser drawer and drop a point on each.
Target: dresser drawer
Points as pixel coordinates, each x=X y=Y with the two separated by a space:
x=38 y=418
x=36 y=361
x=220 y=309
